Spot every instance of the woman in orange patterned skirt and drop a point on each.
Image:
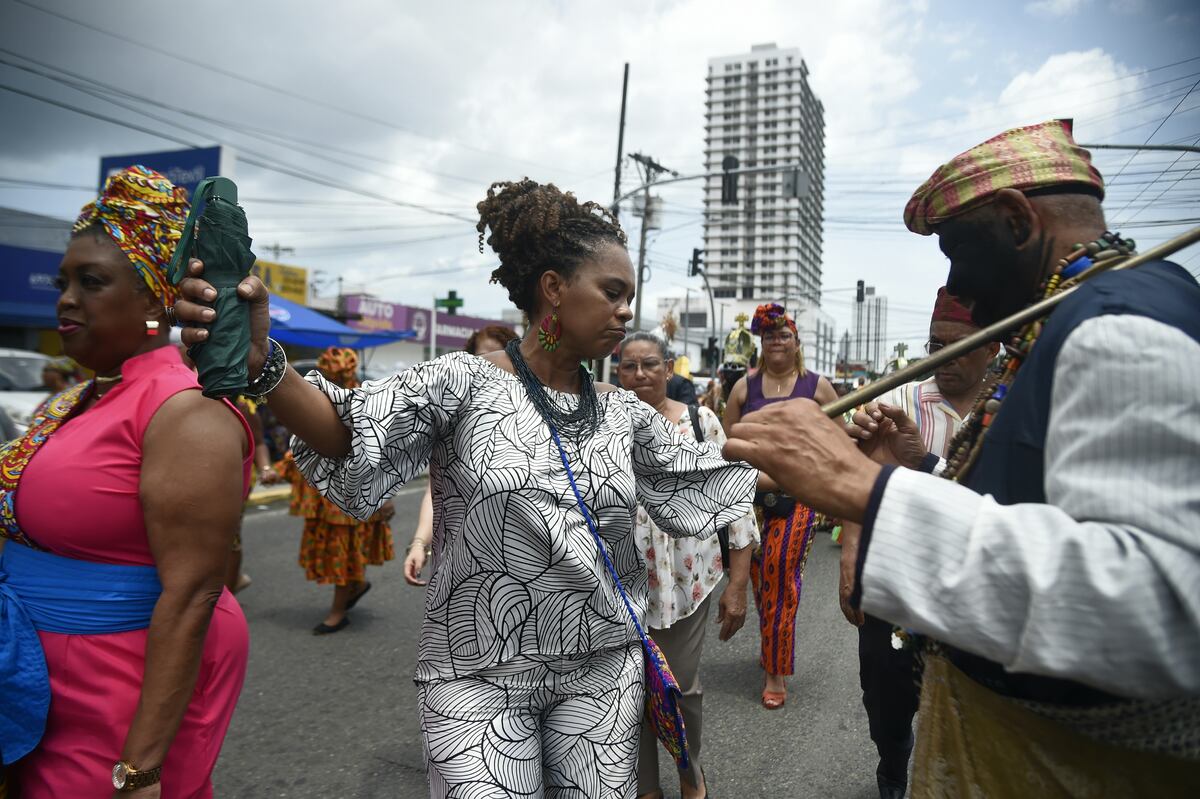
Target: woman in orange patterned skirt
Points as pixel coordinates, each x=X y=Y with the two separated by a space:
x=336 y=547
x=777 y=569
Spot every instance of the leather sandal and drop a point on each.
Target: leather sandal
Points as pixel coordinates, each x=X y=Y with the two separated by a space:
x=773 y=700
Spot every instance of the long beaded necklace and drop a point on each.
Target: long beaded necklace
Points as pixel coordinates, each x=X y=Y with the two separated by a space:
x=1068 y=272
x=577 y=425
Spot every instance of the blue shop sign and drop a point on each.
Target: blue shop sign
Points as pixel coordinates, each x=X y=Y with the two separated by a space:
x=184 y=168
x=29 y=295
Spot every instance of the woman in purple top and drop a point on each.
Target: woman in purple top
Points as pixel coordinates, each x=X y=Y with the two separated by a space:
x=777 y=569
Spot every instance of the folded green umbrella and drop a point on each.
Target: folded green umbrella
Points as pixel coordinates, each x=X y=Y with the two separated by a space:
x=223 y=244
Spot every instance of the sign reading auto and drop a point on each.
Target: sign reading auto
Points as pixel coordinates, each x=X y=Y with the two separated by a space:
x=374 y=314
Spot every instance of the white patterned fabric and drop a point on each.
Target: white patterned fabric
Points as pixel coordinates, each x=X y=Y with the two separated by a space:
x=1101 y=584
x=683 y=571
x=516 y=571
x=567 y=728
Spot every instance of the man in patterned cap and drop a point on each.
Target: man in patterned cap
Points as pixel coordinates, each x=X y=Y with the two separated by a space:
x=1059 y=569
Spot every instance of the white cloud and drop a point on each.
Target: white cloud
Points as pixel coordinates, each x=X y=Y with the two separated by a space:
x=1055 y=8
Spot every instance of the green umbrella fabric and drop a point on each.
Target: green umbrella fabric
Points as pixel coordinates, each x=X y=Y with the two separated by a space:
x=220 y=239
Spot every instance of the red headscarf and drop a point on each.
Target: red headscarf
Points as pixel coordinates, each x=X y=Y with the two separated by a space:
x=949 y=309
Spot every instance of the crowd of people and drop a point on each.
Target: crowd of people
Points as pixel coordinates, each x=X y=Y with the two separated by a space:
x=1020 y=546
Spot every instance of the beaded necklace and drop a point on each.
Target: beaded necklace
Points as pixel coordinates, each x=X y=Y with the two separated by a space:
x=1068 y=272
x=577 y=425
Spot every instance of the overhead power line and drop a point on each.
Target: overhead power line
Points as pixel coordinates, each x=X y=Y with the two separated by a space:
x=259 y=162
x=210 y=67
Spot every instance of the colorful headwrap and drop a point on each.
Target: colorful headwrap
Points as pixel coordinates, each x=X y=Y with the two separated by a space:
x=342 y=363
x=144 y=213
x=949 y=309
x=1035 y=157
x=769 y=317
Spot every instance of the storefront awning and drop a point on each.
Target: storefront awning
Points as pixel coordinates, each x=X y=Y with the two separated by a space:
x=292 y=323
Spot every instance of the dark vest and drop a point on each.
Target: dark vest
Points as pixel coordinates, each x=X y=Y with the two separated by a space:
x=1011 y=465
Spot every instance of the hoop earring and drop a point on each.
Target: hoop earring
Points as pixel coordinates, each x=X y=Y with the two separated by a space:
x=550 y=332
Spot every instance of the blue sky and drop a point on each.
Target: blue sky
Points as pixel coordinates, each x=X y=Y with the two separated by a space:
x=428 y=105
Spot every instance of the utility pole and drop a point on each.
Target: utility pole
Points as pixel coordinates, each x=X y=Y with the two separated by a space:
x=616 y=208
x=651 y=169
x=276 y=249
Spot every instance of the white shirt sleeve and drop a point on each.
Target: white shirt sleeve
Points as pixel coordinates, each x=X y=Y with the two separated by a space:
x=393 y=424
x=1100 y=585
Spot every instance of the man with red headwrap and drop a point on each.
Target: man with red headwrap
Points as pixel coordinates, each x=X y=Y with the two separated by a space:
x=936 y=407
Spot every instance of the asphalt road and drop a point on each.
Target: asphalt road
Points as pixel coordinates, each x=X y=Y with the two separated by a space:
x=334 y=716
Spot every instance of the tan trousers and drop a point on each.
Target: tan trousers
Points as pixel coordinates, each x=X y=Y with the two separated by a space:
x=682 y=644
x=972 y=742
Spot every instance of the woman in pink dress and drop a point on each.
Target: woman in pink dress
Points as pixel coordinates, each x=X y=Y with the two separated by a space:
x=120 y=507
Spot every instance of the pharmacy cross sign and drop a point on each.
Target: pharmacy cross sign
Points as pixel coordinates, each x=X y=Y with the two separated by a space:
x=451 y=303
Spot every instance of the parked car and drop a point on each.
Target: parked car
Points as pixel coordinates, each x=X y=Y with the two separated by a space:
x=21 y=388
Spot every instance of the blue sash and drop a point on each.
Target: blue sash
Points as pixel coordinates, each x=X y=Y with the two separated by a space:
x=50 y=593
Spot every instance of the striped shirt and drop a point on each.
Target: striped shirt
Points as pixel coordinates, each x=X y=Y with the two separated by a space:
x=1101 y=584
x=934 y=415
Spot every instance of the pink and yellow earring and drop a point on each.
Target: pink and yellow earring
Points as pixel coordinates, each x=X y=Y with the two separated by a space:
x=550 y=332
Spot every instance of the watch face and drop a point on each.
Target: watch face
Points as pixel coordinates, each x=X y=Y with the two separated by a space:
x=119 y=774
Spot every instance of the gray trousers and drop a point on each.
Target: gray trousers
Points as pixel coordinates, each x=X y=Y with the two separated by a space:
x=682 y=644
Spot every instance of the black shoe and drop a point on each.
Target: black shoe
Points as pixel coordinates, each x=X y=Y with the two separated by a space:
x=891 y=789
x=350 y=605
x=325 y=629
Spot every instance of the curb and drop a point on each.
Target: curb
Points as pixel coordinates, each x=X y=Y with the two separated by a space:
x=262 y=495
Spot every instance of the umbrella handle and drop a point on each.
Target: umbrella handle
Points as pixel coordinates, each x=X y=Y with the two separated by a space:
x=210 y=189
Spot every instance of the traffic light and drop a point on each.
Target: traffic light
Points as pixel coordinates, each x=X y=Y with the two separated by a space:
x=712 y=354
x=729 y=180
x=695 y=266
x=860 y=291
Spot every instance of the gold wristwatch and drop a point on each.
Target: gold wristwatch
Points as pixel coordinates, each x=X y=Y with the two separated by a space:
x=126 y=778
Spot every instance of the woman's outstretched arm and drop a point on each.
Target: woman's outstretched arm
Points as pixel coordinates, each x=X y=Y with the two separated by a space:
x=301 y=407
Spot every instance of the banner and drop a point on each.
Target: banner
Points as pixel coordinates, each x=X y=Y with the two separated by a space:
x=184 y=168
x=377 y=315
x=289 y=282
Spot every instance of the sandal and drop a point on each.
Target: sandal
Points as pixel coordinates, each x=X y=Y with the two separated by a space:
x=773 y=700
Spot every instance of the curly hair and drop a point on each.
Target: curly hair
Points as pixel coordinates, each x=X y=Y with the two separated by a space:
x=538 y=227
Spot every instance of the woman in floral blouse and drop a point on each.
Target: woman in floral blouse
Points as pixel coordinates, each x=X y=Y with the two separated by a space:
x=683 y=571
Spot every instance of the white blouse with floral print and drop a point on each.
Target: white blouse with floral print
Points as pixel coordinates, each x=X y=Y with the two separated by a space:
x=683 y=571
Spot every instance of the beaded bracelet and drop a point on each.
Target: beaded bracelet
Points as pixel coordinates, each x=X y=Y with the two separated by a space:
x=273 y=372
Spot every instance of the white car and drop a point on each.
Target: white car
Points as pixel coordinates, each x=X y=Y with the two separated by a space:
x=21 y=389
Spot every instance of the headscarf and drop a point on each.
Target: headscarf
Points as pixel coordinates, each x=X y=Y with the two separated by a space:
x=949 y=309
x=1043 y=156
x=342 y=363
x=772 y=316
x=769 y=317
x=143 y=213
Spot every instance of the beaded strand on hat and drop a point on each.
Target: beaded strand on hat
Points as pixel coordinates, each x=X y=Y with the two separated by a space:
x=964 y=449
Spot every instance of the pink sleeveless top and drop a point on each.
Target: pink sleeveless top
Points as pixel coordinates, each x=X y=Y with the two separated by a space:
x=79 y=494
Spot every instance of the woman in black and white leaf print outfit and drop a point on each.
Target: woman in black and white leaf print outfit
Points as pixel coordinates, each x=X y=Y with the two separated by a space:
x=529 y=674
